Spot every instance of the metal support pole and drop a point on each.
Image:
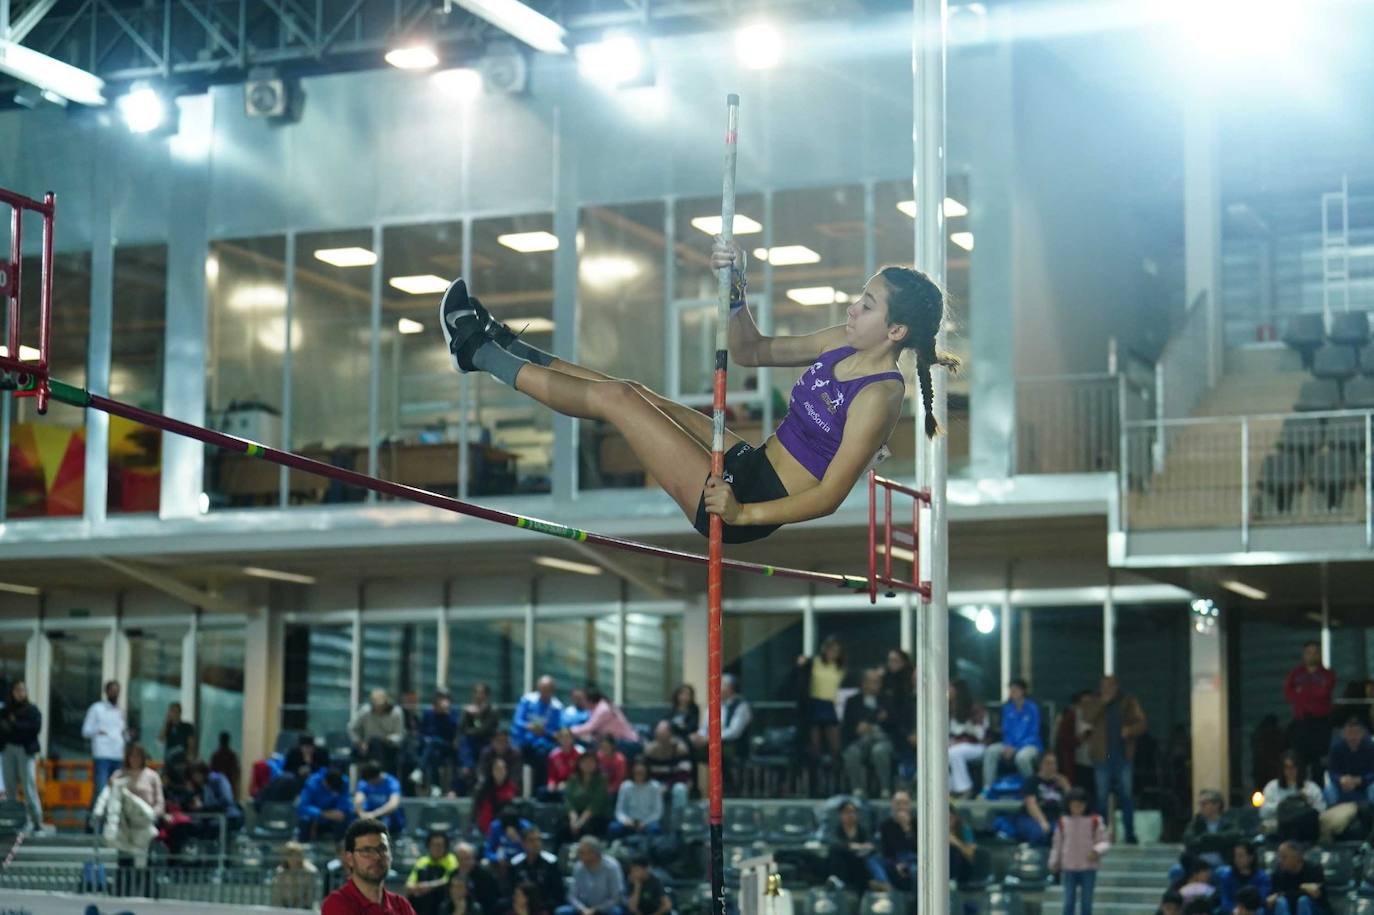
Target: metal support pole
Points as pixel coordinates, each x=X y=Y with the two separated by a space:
x=1109 y=630
x=932 y=647
x=1326 y=614
x=1245 y=483
x=287 y=366
x=1368 y=482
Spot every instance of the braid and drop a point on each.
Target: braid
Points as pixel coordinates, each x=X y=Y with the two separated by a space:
x=927 y=396
x=918 y=303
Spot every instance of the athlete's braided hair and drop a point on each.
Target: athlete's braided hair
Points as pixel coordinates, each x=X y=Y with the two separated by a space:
x=915 y=301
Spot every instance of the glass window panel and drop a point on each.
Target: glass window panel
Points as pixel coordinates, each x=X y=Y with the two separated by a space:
x=219 y=699
x=331 y=358
x=140 y=302
x=74 y=683
x=761 y=650
x=976 y=656
x=514 y=434
x=828 y=221
x=47 y=454
x=13 y=654
x=399 y=658
x=621 y=321
x=576 y=651
x=154 y=682
x=881 y=631
x=318 y=667
x=418 y=402
x=487 y=651
x=1270 y=645
x=1152 y=663
x=653 y=664
x=1066 y=651
x=246 y=290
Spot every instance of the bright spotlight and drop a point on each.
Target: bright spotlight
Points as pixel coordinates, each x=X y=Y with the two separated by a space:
x=616 y=60
x=143 y=109
x=1240 y=28
x=985 y=621
x=464 y=82
x=758 y=46
x=413 y=57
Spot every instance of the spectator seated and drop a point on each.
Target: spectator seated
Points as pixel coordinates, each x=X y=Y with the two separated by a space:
x=1299 y=885
x=323 y=809
x=639 y=804
x=1213 y=833
x=1350 y=766
x=867 y=749
x=852 y=855
x=1042 y=802
x=536 y=866
x=598 y=884
x=379 y=796
x=1021 y=743
x=427 y=885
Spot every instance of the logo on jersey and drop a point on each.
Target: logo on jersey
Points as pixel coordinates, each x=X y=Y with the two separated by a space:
x=834 y=404
x=817 y=385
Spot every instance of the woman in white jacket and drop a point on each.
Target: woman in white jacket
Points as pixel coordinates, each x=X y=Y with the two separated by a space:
x=1290 y=784
x=131 y=804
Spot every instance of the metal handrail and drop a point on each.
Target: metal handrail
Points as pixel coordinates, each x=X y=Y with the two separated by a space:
x=1245 y=417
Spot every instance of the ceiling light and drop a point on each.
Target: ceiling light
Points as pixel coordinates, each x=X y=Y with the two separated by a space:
x=51 y=74
x=952 y=208
x=813 y=295
x=26 y=353
x=408 y=326
x=711 y=225
x=464 y=82
x=758 y=46
x=521 y=23
x=962 y=239
x=1244 y=590
x=616 y=60
x=608 y=270
x=346 y=257
x=143 y=109
x=257 y=297
x=523 y=326
x=19 y=589
x=414 y=57
x=529 y=242
x=274 y=575
x=898 y=552
x=422 y=284
x=271 y=334
x=567 y=565
x=787 y=255
x=985 y=621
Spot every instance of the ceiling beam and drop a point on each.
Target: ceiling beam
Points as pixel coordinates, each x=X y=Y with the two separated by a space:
x=655 y=586
x=174 y=588
x=23 y=25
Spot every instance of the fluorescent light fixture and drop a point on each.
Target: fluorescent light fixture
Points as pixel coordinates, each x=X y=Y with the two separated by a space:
x=26 y=353
x=413 y=57
x=711 y=225
x=275 y=575
x=985 y=621
x=952 y=208
x=211 y=267
x=257 y=297
x=271 y=334
x=204 y=503
x=521 y=23
x=143 y=109
x=19 y=589
x=758 y=46
x=421 y=284
x=1244 y=590
x=567 y=565
x=813 y=295
x=1235 y=29
x=608 y=270
x=898 y=552
x=409 y=326
x=464 y=82
x=530 y=325
x=346 y=257
x=962 y=239
x=787 y=255
x=51 y=74
x=614 y=61
x=529 y=242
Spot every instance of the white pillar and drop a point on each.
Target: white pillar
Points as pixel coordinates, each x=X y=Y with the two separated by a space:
x=1326 y=615
x=1210 y=721
x=1108 y=632
x=190 y=676
x=263 y=672
x=1004 y=623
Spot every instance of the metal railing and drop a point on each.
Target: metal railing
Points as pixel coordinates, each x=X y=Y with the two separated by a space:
x=1072 y=423
x=226 y=885
x=1249 y=471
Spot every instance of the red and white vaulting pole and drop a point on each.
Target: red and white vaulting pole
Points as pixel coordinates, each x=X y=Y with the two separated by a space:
x=713 y=589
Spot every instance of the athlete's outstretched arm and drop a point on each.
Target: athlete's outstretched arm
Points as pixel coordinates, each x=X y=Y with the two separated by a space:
x=872 y=415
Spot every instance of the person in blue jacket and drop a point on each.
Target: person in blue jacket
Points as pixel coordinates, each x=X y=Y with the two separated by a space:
x=323 y=808
x=1244 y=870
x=538 y=716
x=1021 y=742
x=379 y=797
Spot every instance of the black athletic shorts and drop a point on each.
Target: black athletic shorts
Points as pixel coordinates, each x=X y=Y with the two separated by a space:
x=753 y=479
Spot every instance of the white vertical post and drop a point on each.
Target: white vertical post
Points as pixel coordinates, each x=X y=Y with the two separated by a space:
x=1109 y=631
x=904 y=637
x=441 y=644
x=1326 y=615
x=932 y=646
x=1245 y=483
x=809 y=624
x=1004 y=623
x=190 y=674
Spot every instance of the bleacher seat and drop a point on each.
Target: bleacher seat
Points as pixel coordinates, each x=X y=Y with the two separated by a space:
x=1336 y=865
x=694 y=822
x=743 y=823
x=1280 y=482
x=882 y=903
x=276 y=820
x=772 y=761
x=827 y=900
x=1001 y=902
x=338 y=748
x=1305 y=333
x=1029 y=869
x=1318 y=395
x=445 y=818
x=1333 y=475
x=980 y=875
x=1359 y=393
x=789 y=826
x=1335 y=361
x=548 y=816
x=1366 y=887
x=1367 y=359
x=1350 y=328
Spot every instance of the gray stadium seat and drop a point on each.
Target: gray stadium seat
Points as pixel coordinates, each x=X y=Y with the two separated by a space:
x=789 y=826
x=445 y=818
x=1280 y=482
x=1344 y=433
x=1350 y=328
x=1337 y=866
x=1029 y=869
x=276 y=820
x=826 y=900
x=338 y=748
x=1359 y=393
x=743 y=823
x=882 y=903
x=1333 y=475
x=1318 y=395
x=1305 y=333
x=1367 y=359
x=1335 y=361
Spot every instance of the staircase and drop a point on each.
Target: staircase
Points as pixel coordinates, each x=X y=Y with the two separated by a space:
x=1130 y=881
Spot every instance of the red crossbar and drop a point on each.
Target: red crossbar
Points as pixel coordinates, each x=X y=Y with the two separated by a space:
x=30 y=377
x=901 y=537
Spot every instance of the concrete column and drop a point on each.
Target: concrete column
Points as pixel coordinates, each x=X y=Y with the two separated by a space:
x=565 y=436
x=99 y=344
x=1207 y=695
x=190 y=675
x=1109 y=633
x=263 y=643
x=694 y=643
x=1202 y=220
x=1004 y=635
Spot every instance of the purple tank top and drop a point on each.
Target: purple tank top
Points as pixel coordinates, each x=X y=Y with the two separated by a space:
x=814 y=425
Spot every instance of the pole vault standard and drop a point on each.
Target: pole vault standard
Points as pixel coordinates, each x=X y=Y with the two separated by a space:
x=716 y=788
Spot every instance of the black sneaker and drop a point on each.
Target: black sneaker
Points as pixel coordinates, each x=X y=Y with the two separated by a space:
x=464 y=330
x=498 y=332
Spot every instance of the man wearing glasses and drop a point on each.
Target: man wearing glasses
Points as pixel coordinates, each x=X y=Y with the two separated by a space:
x=367 y=855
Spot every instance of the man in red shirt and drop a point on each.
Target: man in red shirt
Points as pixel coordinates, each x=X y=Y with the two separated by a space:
x=1308 y=688
x=367 y=854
